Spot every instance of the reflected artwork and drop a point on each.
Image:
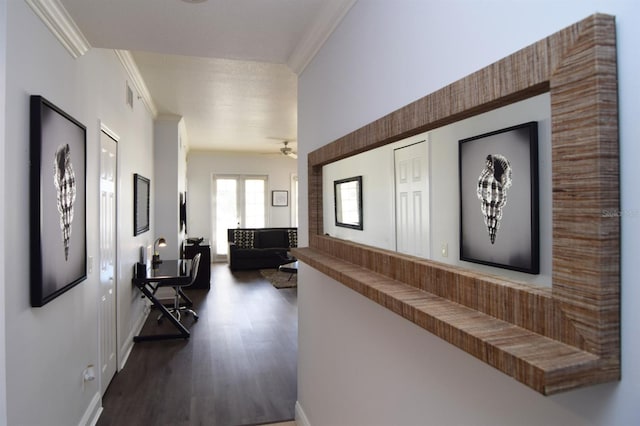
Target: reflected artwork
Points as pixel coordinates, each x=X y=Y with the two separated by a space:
x=493 y=183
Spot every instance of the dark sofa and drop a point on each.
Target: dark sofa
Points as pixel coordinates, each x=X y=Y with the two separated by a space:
x=260 y=248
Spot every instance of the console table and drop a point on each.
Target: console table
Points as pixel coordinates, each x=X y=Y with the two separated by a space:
x=164 y=274
x=203 y=280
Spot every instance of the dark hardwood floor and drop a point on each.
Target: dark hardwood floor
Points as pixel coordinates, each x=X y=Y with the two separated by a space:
x=238 y=368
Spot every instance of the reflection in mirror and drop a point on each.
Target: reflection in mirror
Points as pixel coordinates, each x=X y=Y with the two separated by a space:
x=441 y=216
x=348 y=202
x=499 y=198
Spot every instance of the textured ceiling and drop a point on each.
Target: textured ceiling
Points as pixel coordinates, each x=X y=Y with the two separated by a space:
x=226 y=66
x=227 y=104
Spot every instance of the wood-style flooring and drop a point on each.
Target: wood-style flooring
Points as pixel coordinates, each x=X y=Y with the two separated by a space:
x=238 y=368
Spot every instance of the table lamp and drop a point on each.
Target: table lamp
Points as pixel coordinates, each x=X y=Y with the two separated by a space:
x=160 y=242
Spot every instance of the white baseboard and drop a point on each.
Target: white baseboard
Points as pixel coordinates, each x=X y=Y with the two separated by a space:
x=301 y=417
x=92 y=414
x=90 y=417
x=126 y=349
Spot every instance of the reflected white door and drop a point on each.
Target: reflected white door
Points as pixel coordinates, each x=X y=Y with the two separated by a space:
x=107 y=293
x=412 y=199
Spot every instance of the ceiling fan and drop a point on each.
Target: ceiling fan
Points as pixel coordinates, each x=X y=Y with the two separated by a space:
x=288 y=151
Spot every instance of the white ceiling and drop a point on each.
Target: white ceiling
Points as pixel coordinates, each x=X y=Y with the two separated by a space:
x=228 y=67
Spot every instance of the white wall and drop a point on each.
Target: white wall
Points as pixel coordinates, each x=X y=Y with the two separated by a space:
x=48 y=348
x=360 y=364
x=202 y=165
x=3 y=51
x=170 y=161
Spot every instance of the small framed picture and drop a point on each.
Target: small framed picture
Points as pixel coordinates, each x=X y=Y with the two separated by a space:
x=347 y=195
x=280 y=198
x=141 y=191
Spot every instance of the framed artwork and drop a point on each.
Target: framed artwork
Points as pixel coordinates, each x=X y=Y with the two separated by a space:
x=141 y=191
x=499 y=198
x=58 y=241
x=183 y=211
x=348 y=202
x=280 y=198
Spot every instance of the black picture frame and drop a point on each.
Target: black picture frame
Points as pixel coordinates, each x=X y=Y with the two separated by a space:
x=347 y=201
x=183 y=211
x=58 y=238
x=141 y=194
x=499 y=177
x=279 y=198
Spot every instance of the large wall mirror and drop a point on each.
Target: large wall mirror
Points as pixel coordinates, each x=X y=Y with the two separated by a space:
x=553 y=338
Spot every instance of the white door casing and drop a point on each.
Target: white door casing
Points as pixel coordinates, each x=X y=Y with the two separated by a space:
x=412 y=199
x=108 y=243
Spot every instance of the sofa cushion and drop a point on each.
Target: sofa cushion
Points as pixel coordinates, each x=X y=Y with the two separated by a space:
x=272 y=238
x=244 y=238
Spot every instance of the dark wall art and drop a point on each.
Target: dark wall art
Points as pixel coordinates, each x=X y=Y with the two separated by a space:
x=347 y=195
x=141 y=194
x=499 y=198
x=183 y=211
x=58 y=202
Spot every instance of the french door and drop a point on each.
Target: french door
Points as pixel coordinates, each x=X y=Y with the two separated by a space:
x=239 y=202
x=294 y=200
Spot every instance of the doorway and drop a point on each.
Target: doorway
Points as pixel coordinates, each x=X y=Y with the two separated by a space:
x=412 y=199
x=239 y=202
x=108 y=257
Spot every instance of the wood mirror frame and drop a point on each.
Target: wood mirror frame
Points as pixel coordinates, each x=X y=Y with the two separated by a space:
x=551 y=339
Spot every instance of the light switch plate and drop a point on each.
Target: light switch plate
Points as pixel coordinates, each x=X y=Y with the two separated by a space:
x=444 y=250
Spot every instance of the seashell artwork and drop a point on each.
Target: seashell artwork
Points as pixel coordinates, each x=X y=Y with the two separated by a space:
x=493 y=183
x=65 y=182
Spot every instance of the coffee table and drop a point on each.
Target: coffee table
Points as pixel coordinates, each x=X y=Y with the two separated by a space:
x=291 y=268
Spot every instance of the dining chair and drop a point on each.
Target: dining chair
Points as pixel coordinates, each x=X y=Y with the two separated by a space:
x=179 y=307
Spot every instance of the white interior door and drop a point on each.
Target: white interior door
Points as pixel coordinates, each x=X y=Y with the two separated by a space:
x=107 y=293
x=412 y=199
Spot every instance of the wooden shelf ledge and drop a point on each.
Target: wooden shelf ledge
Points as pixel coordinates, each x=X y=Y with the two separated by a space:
x=544 y=364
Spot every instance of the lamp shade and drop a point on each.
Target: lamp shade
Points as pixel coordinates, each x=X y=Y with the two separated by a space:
x=160 y=242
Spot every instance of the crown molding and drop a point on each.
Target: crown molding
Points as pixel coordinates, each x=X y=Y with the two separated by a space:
x=129 y=64
x=314 y=39
x=53 y=14
x=169 y=117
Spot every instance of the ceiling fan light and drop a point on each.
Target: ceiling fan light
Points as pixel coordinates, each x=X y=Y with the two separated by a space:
x=287 y=150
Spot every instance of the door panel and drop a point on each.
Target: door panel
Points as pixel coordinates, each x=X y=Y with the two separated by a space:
x=412 y=199
x=107 y=292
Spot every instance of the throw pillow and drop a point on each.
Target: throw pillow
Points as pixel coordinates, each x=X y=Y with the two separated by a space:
x=243 y=239
x=293 y=238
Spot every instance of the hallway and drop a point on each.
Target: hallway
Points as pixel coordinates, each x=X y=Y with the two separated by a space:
x=238 y=367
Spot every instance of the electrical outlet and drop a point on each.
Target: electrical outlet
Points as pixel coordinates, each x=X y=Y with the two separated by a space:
x=444 y=250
